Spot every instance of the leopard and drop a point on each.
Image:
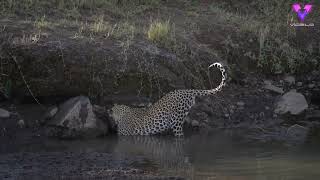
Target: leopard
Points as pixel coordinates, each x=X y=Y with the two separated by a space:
x=167 y=114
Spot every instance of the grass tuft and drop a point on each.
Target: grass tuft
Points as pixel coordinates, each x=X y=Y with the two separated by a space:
x=159 y=31
x=100 y=25
x=41 y=23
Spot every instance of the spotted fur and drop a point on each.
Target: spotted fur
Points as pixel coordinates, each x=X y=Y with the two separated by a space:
x=166 y=114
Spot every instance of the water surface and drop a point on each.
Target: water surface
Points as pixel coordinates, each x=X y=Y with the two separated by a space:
x=202 y=157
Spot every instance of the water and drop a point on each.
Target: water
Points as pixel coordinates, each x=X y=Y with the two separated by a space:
x=197 y=157
x=204 y=157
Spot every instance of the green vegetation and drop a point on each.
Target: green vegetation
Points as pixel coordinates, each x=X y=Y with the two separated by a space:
x=270 y=23
x=159 y=31
x=265 y=22
x=41 y=23
x=72 y=8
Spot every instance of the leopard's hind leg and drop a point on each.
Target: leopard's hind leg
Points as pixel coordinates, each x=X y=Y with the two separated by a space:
x=177 y=128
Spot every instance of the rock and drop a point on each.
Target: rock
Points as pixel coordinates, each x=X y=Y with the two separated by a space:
x=311 y=86
x=291 y=102
x=51 y=112
x=273 y=88
x=315 y=73
x=188 y=120
x=267 y=82
x=293 y=90
x=4 y=113
x=205 y=108
x=75 y=118
x=202 y=116
x=99 y=109
x=290 y=80
x=297 y=133
x=299 y=84
x=195 y=123
x=240 y=103
x=21 y=123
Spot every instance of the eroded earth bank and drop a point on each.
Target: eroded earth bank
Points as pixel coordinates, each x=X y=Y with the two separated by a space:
x=64 y=65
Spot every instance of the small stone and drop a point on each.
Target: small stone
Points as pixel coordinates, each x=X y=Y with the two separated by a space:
x=299 y=84
x=267 y=107
x=204 y=126
x=273 y=88
x=202 y=116
x=240 y=103
x=51 y=112
x=195 y=123
x=188 y=120
x=4 y=113
x=226 y=115
x=293 y=90
x=267 y=82
x=290 y=80
x=21 y=123
x=311 y=86
x=315 y=73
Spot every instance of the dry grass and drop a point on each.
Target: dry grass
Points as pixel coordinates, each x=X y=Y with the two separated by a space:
x=159 y=31
x=269 y=23
x=266 y=21
x=100 y=25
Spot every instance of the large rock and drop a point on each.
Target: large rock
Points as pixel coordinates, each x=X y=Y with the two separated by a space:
x=75 y=118
x=291 y=102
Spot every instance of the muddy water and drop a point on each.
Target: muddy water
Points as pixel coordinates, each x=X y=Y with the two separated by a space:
x=216 y=156
x=201 y=157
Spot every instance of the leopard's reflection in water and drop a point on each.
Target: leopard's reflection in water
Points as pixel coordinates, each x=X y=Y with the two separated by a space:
x=166 y=153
